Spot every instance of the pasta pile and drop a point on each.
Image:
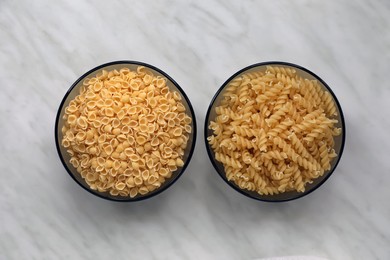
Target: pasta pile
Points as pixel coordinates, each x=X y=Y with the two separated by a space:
x=126 y=132
x=274 y=131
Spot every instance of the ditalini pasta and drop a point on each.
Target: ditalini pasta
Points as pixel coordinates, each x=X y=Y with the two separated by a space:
x=126 y=132
x=274 y=131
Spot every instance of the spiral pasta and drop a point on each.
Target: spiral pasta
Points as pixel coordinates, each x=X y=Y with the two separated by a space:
x=274 y=131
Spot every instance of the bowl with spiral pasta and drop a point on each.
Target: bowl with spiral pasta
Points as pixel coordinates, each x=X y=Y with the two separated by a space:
x=125 y=131
x=274 y=131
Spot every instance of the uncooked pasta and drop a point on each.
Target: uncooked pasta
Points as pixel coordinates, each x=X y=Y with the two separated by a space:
x=274 y=131
x=126 y=132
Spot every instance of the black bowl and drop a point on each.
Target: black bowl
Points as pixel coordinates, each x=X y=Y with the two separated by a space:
x=74 y=90
x=286 y=196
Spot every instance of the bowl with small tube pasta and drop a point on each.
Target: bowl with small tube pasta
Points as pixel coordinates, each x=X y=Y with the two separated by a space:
x=125 y=131
x=274 y=131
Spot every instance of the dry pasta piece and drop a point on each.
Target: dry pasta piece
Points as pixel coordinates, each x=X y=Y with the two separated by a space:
x=274 y=131
x=126 y=131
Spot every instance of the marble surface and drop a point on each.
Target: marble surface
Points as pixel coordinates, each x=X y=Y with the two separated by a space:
x=46 y=45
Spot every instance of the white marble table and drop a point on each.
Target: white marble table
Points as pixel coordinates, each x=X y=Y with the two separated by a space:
x=46 y=45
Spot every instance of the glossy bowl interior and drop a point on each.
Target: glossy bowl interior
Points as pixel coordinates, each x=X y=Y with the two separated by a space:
x=74 y=91
x=286 y=196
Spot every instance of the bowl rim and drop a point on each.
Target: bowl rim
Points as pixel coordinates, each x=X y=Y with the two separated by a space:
x=182 y=92
x=206 y=122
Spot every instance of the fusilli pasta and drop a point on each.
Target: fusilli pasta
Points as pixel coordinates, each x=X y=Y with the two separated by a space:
x=274 y=131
